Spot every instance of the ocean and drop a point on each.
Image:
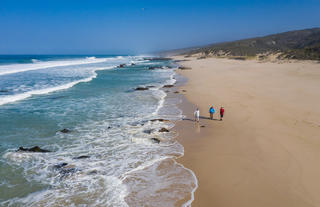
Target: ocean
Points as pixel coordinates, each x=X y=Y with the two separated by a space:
x=110 y=155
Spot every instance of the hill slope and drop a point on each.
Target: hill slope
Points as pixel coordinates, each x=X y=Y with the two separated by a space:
x=300 y=44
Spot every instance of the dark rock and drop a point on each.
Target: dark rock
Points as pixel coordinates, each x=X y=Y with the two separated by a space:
x=93 y=172
x=81 y=157
x=60 y=165
x=67 y=171
x=161 y=120
x=141 y=89
x=150 y=86
x=4 y=91
x=184 y=68
x=121 y=65
x=167 y=86
x=163 y=130
x=203 y=126
x=177 y=61
x=176 y=92
x=65 y=131
x=133 y=64
x=153 y=68
x=184 y=90
x=32 y=149
x=155 y=140
x=109 y=127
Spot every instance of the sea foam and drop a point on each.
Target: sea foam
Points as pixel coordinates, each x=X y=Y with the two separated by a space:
x=36 y=65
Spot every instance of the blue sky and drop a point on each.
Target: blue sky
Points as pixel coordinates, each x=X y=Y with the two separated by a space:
x=128 y=26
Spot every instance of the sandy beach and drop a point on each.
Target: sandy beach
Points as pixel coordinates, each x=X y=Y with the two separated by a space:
x=266 y=150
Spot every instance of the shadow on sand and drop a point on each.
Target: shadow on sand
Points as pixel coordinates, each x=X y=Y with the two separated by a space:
x=201 y=117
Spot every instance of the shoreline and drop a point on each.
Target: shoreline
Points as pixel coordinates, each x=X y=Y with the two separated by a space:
x=263 y=152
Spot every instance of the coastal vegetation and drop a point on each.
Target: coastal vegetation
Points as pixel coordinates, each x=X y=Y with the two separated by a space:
x=299 y=44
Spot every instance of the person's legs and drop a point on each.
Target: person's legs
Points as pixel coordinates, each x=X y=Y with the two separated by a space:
x=211 y=115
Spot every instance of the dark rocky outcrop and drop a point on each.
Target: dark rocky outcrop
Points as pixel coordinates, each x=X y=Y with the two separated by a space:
x=81 y=157
x=167 y=86
x=163 y=130
x=184 y=68
x=65 y=131
x=176 y=92
x=203 y=126
x=161 y=120
x=184 y=90
x=93 y=172
x=67 y=171
x=3 y=91
x=121 y=65
x=141 y=89
x=153 y=68
x=155 y=140
x=60 y=165
x=32 y=149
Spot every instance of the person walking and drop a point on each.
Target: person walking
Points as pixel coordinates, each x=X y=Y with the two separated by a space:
x=197 y=115
x=211 y=112
x=221 y=113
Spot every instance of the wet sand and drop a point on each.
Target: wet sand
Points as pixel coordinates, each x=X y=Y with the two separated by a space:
x=266 y=150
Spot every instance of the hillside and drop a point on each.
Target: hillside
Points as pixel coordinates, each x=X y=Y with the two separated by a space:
x=300 y=44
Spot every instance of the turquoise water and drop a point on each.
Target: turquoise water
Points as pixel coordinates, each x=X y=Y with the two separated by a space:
x=90 y=96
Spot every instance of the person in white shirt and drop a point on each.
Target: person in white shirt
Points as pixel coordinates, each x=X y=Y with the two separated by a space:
x=197 y=115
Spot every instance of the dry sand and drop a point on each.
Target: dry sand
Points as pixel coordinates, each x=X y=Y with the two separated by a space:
x=266 y=152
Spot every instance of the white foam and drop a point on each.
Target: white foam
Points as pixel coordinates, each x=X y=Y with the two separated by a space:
x=102 y=191
x=18 y=97
x=17 y=68
x=114 y=158
x=18 y=157
x=188 y=203
x=149 y=190
x=161 y=96
x=35 y=60
x=21 y=96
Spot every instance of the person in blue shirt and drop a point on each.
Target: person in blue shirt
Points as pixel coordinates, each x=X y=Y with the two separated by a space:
x=211 y=112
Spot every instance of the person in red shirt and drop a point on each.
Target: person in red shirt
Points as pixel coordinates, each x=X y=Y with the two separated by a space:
x=221 y=113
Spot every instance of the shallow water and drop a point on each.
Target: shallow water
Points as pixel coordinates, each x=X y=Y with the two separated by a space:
x=107 y=119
